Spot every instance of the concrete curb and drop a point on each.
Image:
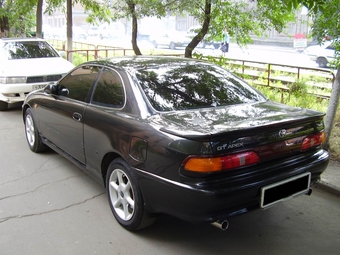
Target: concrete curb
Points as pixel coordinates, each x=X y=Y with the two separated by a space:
x=328 y=188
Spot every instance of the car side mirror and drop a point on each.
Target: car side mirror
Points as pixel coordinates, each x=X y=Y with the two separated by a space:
x=64 y=92
x=51 y=89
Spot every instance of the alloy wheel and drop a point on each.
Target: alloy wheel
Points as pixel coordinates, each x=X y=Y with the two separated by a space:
x=121 y=194
x=30 y=131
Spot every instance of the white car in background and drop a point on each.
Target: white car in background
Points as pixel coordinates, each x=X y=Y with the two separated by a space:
x=27 y=64
x=171 y=40
x=111 y=31
x=206 y=42
x=322 y=54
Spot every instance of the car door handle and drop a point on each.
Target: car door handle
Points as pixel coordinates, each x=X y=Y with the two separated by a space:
x=77 y=116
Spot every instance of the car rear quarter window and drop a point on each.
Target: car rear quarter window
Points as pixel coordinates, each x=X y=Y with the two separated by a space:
x=28 y=49
x=79 y=82
x=191 y=86
x=109 y=91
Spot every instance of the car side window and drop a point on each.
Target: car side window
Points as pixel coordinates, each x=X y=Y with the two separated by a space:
x=79 y=82
x=109 y=90
x=331 y=47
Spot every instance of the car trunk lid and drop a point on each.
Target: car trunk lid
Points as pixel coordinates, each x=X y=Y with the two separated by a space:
x=268 y=128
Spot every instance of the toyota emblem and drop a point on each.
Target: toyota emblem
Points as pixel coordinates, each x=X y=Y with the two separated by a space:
x=283 y=133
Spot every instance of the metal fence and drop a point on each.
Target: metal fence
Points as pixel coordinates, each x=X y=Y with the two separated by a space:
x=285 y=78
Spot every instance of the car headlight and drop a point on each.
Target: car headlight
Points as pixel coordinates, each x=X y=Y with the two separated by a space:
x=12 y=80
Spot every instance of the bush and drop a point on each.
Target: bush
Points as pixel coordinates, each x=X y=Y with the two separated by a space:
x=298 y=88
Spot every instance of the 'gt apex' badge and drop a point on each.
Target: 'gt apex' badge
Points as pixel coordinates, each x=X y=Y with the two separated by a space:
x=230 y=146
x=283 y=133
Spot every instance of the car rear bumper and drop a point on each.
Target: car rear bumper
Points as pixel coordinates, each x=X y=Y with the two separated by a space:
x=220 y=199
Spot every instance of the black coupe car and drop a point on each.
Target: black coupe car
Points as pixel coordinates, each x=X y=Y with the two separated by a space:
x=177 y=136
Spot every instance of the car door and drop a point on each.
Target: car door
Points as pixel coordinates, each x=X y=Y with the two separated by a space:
x=330 y=52
x=61 y=115
x=164 y=40
x=103 y=124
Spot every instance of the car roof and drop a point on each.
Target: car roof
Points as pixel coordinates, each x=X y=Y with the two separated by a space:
x=20 y=39
x=141 y=62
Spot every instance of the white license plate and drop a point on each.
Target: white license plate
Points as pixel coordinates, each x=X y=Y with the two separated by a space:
x=35 y=87
x=284 y=190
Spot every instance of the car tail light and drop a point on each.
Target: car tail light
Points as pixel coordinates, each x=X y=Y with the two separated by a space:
x=215 y=164
x=313 y=141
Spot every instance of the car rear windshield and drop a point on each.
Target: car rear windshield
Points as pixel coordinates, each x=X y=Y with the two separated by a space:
x=28 y=49
x=194 y=85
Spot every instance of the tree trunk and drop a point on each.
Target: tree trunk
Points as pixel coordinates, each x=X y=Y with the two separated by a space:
x=39 y=19
x=332 y=107
x=199 y=37
x=69 y=30
x=134 y=29
x=4 y=27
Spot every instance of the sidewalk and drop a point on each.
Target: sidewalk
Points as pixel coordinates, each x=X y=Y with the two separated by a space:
x=330 y=179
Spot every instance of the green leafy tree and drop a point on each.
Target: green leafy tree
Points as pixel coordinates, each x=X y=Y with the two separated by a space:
x=16 y=17
x=240 y=18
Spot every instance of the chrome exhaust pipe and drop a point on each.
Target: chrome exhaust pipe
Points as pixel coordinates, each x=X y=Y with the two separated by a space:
x=221 y=224
x=309 y=192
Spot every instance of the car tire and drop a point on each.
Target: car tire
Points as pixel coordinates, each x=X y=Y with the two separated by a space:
x=3 y=106
x=172 y=46
x=32 y=134
x=125 y=198
x=322 y=62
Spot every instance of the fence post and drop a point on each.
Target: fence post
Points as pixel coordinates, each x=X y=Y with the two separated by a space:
x=268 y=76
x=96 y=52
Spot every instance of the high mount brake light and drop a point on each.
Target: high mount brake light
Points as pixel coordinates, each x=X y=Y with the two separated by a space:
x=215 y=164
x=313 y=141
